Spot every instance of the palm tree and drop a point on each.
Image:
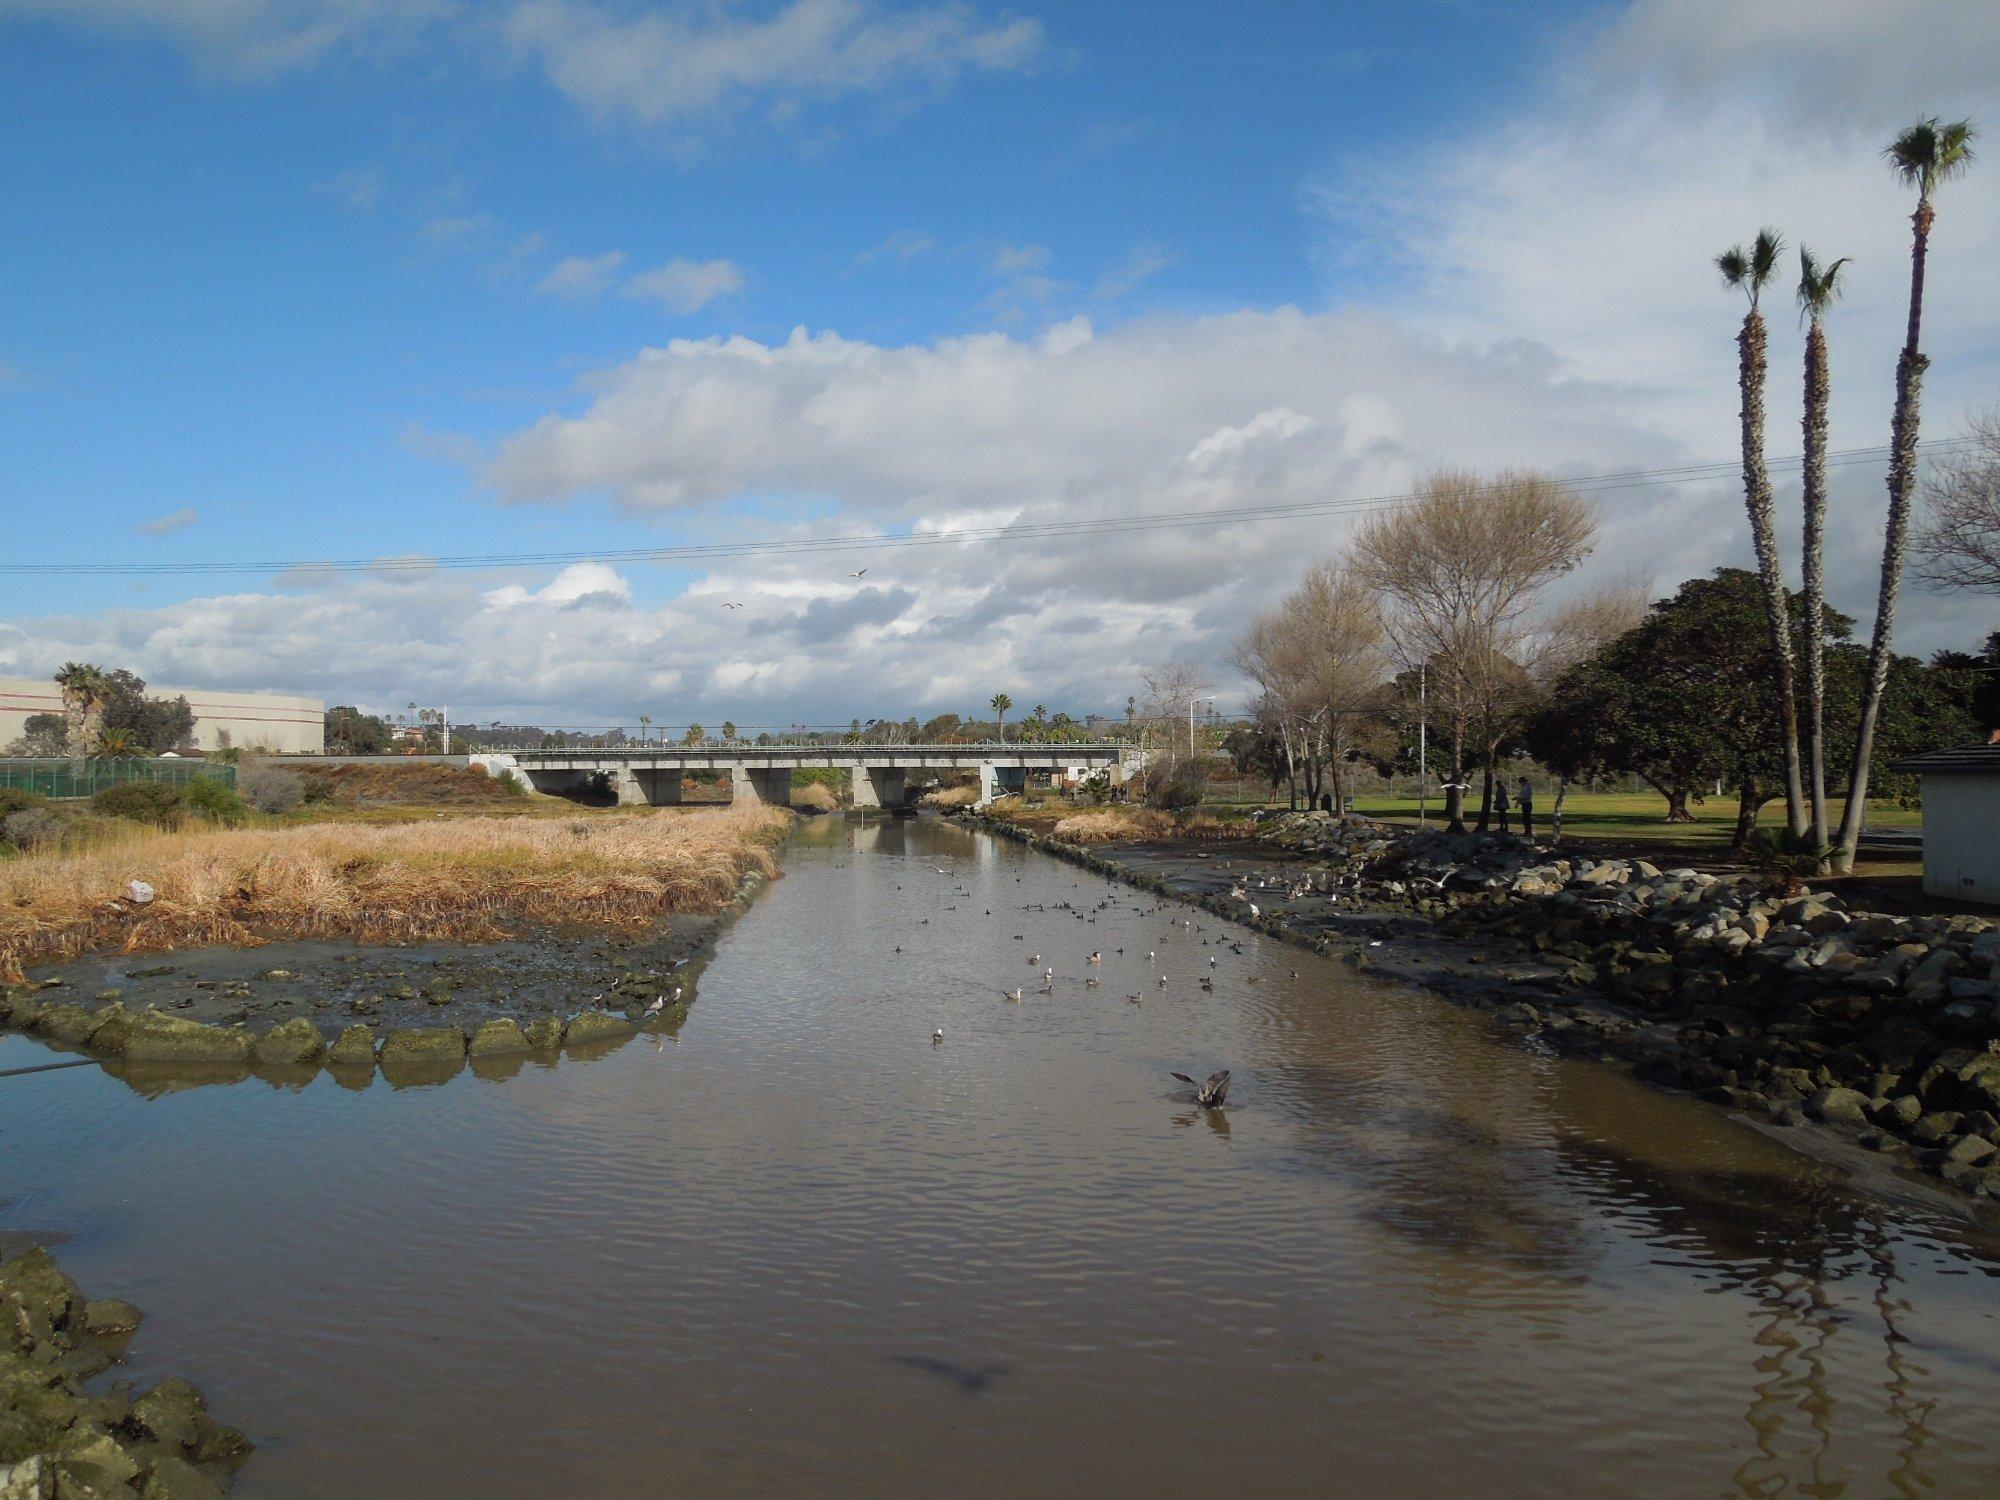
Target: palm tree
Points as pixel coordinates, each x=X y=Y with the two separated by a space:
x=1748 y=271
x=1000 y=704
x=116 y=744
x=1819 y=287
x=728 y=730
x=645 y=728
x=1925 y=156
x=83 y=689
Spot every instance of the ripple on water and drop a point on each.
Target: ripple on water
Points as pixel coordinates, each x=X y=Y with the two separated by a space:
x=806 y=1250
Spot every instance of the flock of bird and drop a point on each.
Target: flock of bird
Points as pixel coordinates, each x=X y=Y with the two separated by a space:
x=857 y=575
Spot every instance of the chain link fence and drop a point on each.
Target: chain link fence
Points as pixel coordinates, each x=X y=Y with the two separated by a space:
x=84 y=778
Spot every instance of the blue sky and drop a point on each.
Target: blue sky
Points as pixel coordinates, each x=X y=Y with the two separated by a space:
x=344 y=278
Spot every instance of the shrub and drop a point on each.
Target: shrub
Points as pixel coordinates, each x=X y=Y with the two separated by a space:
x=270 y=791
x=32 y=828
x=814 y=796
x=216 y=800
x=13 y=800
x=318 y=791
x=159 y=803
x=511 y=783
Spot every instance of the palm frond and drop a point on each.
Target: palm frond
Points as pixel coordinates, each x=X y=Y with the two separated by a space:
x=1930 y=153
x=1764 y=254
x=1819 y=286
x=1734 y=264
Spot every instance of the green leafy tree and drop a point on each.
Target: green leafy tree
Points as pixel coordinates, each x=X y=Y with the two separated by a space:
x=351 y=732
x=1749 y=270
x=155 y=725
x=1925 y=156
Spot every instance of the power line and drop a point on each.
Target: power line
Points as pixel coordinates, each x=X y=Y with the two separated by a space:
x=1029 y=531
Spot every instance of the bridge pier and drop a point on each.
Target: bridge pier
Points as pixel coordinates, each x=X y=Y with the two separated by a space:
x=880 y=786
x=646 y=788
x=1000 y=781
x=757 y=784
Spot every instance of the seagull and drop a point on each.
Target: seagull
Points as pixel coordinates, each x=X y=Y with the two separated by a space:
x=863 y=573
x=1097 y=958
x=1211 y=1094
x=732 y=606
x=1036 y=959
x=937 y=1036
x=1163 y=981
x=1010 y=994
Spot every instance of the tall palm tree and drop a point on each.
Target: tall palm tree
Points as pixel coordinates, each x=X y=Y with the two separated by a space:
x=1925 y=157
x=1748 y=270
x=83 y=689
x=1819 y=287
x=1000 y=704
x=116 y=744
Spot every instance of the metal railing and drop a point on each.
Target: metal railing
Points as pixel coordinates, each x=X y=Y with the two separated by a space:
x=58 y=777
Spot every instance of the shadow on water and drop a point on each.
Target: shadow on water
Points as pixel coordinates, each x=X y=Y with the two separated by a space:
x=972 y=1380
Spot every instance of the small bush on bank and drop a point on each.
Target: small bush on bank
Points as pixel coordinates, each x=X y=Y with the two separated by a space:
x=32 y=828
x=215 y=800
x=270 y=791
x=814 y=797
x=13 y=800
x=160 y=804
x=512 y=784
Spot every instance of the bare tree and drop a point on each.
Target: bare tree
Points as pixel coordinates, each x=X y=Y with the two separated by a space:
x=1459 y=571
x=1959 y=548
x=1171 y=691
x=1320 y=659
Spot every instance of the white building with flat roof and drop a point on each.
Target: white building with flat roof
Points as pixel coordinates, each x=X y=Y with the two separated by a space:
x=1961 y=821
x=277 y=722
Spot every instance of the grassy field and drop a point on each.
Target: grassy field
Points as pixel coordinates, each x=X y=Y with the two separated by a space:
x=463 y=877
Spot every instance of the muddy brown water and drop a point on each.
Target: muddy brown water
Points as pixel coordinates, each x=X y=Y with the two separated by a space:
x=803 y=1249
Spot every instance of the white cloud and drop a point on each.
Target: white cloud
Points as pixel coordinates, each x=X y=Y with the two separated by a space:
x=456 y=229
x=1013 y=260
x=360 y=188
x=597 y=585
x=1145 y=262
x=168 y=524
x=686 y=286
x=662 y=68
x=582 y=277
x=253 y=39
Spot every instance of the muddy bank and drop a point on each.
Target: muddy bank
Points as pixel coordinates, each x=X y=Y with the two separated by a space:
x=419 y=1012
x=61 y=1434
x=1872 y=1040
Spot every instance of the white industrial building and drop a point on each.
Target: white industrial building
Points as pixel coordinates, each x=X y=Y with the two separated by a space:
x=276 y=722
x=1961 y=821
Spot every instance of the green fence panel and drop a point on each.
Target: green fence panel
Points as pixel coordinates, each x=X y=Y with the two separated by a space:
x=85 y=778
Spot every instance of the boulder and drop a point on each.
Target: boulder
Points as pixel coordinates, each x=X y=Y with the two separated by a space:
x=544 y=1033
x=353 y=1048
x=155 y=1038
x=497 y=1038
x=68 y=1024
x=1838 y=1106
x=170 y=1413
x=296 y=1042
x=107 y=1316
x=169 y=1477
x=596 y=1026
x=1969 y=1148
x=423 y=1045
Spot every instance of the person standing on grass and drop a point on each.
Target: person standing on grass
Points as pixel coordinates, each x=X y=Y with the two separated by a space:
x=1526 y=798
x=1500 y=801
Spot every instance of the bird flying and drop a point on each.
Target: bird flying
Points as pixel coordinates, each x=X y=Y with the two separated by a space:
x=1211 y=1094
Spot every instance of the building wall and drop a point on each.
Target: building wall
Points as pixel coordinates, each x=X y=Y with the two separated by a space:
x=1962 y=837
x=272 y=721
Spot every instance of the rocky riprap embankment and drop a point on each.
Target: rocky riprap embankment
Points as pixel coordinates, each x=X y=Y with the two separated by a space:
x=1792 y=1006
x=57 y=1440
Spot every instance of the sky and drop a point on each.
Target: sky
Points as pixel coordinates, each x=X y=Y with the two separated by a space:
x=288 y=281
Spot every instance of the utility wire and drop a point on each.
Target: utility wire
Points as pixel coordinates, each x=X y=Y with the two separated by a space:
x=1026 y=531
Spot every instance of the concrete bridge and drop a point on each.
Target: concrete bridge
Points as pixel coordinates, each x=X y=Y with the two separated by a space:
x=881 y=774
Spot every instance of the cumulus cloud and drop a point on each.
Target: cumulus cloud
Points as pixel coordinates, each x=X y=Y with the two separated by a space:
x=582 y=277
x=686 y=286
x=168 y=524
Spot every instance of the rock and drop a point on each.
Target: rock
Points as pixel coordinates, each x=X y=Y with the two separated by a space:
x=1934 y=1129
x=138 y=893
x=155 y=1038
x=496 y=1038
x=296 y=1042
x=1899 y=1043
x=1969 y=1148
x=1838 y=1106
x=37 y=1302
x=70 y=1025
x=30 y=1479
x=1789 y=1115
x=169 y=1477
x=91 y=1463
x=544 y=1033
x=596 y=1026
x=353 y=1048
x=423 y=1045
x=106 y=1315
x=1901 y=1112
x=170 y=1413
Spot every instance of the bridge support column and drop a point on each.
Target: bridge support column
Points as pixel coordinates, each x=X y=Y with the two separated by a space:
x=759 y=785
x=626 y=786
x=880 y=786
x=647 y=788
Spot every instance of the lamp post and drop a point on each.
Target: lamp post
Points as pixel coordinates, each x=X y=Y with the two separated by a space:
x=1423 y=743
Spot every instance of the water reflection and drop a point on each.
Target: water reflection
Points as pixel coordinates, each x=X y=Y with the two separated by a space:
x=797 y=1247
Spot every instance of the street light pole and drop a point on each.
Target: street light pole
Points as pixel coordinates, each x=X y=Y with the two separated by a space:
x=1423 y=744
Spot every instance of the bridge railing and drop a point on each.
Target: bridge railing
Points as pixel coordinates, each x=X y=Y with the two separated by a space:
x=751 y=747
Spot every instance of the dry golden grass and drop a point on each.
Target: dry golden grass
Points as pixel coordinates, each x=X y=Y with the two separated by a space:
x=817 y=796
x=951 y=796
x=1107 y=824
x=464 y=878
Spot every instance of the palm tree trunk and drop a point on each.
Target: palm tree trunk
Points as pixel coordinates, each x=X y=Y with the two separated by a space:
x=1750 y=343
x=1817 y=397
x=1895 y=542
